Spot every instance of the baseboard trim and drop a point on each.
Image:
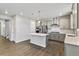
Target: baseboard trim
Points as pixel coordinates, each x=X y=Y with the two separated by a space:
x=56 y=41
x=20 y=41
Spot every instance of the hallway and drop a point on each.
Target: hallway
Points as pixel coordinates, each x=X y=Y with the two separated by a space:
x=8 y=48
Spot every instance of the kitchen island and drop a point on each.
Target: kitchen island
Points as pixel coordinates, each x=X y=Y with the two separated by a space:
x=39 y=39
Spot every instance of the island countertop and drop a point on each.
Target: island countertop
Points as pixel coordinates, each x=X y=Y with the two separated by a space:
x=39 y=34
x=72 y=40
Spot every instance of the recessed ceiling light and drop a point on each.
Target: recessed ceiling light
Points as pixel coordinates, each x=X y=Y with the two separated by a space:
x=6 y=12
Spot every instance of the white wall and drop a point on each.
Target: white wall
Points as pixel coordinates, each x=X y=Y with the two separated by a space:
x=13 y=28
x=33 y=26
x=22 y=29
x=2 y=27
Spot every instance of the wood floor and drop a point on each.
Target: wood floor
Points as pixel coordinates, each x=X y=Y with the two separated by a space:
x=8 y=48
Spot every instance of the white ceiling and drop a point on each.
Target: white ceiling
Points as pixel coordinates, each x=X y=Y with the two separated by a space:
x=46 y=9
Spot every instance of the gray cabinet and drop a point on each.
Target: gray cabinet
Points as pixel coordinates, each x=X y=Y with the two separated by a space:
x=54 y=35
x=57 y=36
x=71 y=50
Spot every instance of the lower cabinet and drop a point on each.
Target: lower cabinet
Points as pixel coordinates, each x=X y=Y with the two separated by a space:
x=71 y=50
x=57 y=36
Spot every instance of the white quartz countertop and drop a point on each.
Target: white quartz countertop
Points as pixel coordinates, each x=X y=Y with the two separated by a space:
x=39 y=34
x=72 y=40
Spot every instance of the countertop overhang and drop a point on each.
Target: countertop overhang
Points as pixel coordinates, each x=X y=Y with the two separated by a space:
x=72 y=40
x=39 y=34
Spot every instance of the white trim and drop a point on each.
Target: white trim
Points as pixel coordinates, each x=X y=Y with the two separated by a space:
x=18 y=41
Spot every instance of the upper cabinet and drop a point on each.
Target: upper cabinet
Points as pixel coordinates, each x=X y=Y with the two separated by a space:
x=74 y=15
x=78 y=15
x=64 y=22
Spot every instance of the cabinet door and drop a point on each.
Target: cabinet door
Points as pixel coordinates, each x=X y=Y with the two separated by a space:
x=71 y=50
x=74 y=13
x=71 y=22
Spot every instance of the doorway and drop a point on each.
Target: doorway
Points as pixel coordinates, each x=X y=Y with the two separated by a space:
x=7 y=29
